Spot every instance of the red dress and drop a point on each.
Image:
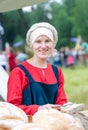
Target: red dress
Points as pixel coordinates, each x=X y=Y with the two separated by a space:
x=18 y=82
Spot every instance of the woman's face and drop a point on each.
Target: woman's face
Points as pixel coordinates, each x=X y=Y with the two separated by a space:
x=42 y=47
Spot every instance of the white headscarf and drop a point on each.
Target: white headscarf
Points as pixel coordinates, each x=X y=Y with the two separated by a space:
x=42 y=28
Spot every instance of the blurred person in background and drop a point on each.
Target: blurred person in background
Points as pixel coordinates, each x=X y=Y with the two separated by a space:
x=20 y=57
x=57 y=59
x=84 y=47
x=11 y=57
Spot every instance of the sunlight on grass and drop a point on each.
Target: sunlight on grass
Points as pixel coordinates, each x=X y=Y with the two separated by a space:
x=76 y=84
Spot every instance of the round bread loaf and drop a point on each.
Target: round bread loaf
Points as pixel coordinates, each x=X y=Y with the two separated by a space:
x=30 y=126
x=56 y=120
x=4 y=129
x=11 y=116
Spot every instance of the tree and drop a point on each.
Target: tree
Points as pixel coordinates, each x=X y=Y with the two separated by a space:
x=38 y=14
x=80 y=19
x=62 y=23
x=15 y=24
x=69 y=5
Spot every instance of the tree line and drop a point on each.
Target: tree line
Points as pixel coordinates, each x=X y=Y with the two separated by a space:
x=69 y=17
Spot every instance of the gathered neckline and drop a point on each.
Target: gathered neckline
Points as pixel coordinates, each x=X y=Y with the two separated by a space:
x=37 y=66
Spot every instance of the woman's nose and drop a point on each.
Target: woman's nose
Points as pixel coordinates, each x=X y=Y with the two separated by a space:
x=43 y=44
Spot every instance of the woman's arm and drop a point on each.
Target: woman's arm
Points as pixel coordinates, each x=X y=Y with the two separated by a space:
x=61 y=96
x=16 y=84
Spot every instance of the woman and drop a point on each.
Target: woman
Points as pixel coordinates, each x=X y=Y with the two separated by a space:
x=36 y=84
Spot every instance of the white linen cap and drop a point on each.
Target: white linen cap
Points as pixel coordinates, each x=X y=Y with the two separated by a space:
x=42 y=28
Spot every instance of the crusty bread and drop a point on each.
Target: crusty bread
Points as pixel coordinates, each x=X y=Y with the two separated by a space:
x=56 y=120
x=29 y=126
x=57 y=107
x=11 y=116
x=4 y=129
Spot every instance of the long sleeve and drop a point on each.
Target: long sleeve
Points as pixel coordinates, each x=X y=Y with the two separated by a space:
x=15 y=87
x=61 y=96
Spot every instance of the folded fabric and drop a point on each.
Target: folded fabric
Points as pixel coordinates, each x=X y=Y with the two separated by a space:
x=72 y=108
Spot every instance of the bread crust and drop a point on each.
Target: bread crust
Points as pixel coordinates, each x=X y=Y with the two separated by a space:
x=11 y=116
x=56 y=120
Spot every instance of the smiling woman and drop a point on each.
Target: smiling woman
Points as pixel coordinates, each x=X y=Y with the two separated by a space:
x=8 y=5
x=35 y=84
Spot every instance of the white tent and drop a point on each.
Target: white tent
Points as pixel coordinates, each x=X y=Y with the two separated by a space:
x=8 y=5
x=3 y=83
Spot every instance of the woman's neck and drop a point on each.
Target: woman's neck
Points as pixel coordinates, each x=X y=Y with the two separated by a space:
x=38 y=63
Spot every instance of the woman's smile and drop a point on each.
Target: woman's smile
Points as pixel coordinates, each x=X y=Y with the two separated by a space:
x=42 y=46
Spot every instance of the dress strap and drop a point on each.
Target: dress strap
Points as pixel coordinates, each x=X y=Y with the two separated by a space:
x=26 y=72
x=55 y=69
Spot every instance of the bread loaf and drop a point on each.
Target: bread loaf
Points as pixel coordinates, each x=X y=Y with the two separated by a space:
x=56 y=120
x=29 y=126
x=11 y=116
x=4 y=129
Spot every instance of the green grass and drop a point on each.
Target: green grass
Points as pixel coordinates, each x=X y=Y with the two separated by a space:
x=76 y=84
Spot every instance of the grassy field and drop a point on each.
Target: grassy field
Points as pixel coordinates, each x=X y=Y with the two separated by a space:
x=76 y=84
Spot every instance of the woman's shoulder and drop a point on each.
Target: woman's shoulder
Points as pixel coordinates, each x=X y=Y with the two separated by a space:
x=58 y=68
x=18 y=70
x=24 y=64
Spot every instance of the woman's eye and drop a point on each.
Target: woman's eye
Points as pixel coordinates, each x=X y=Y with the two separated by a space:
x=38 y=41
x=47 y=41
